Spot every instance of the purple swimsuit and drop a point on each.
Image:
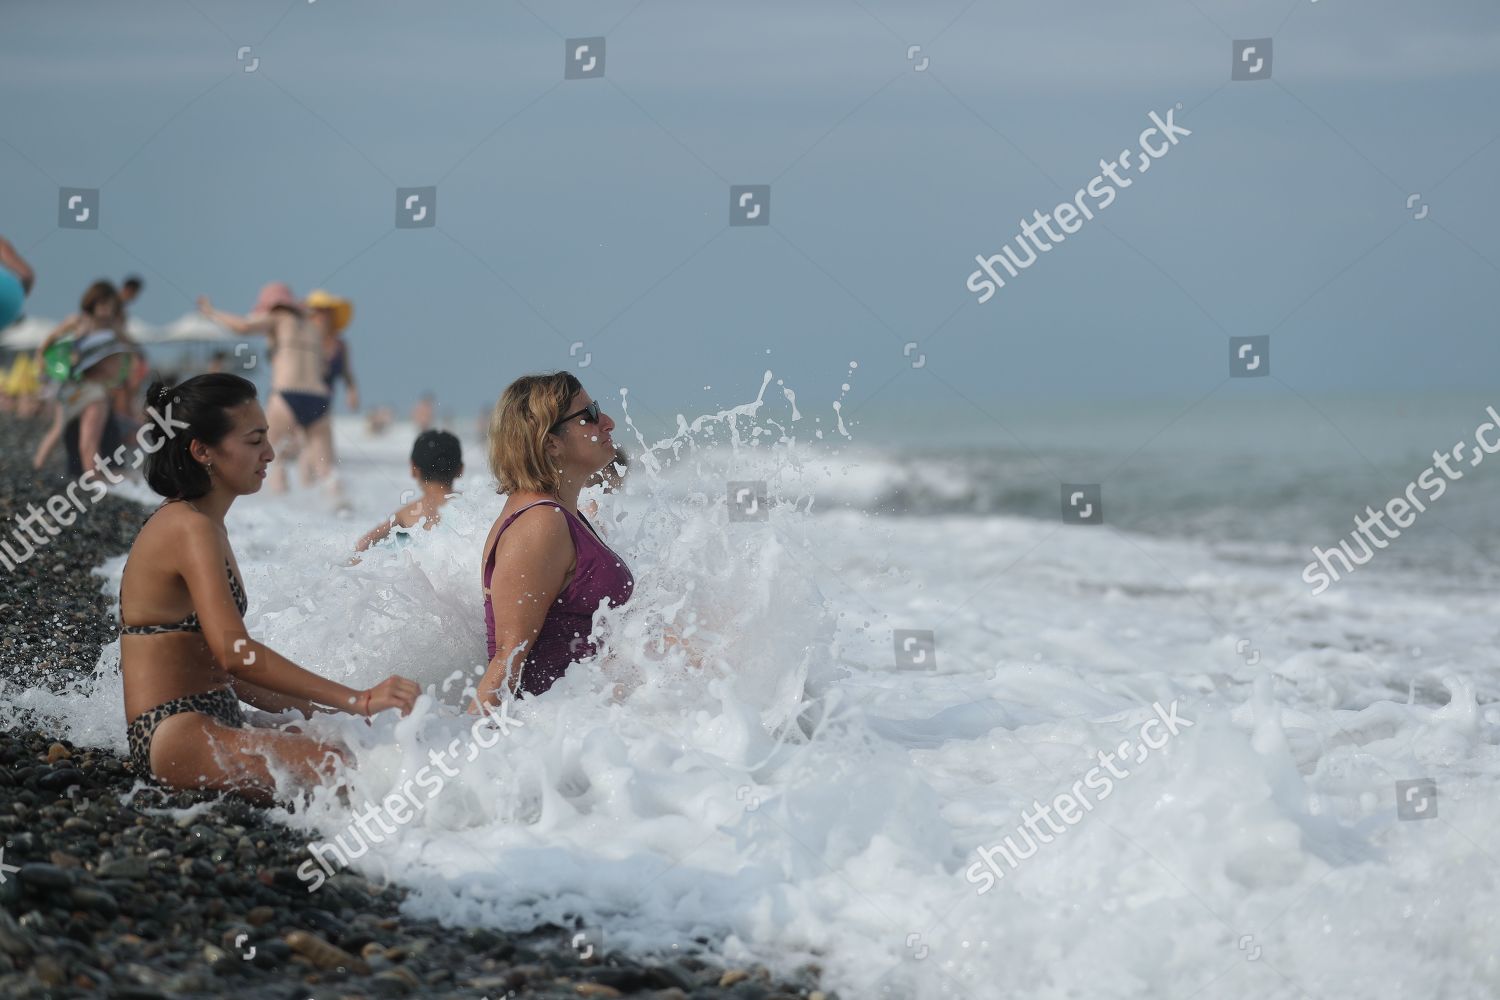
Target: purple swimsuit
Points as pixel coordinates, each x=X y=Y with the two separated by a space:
x=563 y=638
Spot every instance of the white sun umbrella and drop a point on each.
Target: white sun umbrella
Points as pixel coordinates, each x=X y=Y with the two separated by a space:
x=28 y=334
x=195 y=327
x=194 y=334
x=144 y=333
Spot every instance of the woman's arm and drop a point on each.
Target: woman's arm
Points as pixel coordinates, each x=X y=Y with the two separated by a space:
x=58 y=332
x=239 y=324
x=528 y=577
x=16 y=264
x=269 y=701
x=244 y=658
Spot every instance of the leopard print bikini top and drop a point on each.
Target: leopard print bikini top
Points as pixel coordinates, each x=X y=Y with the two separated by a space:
x=190 y=623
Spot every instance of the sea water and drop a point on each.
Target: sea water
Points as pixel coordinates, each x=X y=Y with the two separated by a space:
x=812 y=793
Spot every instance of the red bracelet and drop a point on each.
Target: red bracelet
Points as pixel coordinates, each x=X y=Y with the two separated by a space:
x=367 y=704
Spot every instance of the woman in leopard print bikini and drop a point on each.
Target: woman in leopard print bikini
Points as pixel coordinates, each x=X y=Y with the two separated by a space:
x=184 y=680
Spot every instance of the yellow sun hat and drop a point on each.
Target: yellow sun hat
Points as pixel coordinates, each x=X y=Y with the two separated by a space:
x=343 y=309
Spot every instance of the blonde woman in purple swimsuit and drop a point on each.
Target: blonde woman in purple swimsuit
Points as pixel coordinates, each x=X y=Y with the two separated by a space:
x=545 y=570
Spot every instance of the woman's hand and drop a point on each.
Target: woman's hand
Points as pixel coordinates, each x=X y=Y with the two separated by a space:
x=205 y=306
x=393 y=692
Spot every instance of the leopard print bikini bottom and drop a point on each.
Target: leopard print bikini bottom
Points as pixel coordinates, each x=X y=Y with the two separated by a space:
x=220 y=704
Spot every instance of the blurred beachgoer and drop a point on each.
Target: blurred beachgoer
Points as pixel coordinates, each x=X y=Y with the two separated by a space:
x=126 y=399
x=436 y=460
x=102 y=362
x=99 y=309
x=189 y=664
x=331 y=314
x=299 y=396
x=423 y=413
x=334 y=314
x=378 y=419
x=217 y=362
x=23 y=386
x=544 y=570
x=16 y=279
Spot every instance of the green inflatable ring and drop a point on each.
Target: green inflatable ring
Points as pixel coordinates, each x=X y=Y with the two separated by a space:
x=57 y=361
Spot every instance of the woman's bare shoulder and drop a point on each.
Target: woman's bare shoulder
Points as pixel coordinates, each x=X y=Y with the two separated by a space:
x=174 y=528
x=533 y=521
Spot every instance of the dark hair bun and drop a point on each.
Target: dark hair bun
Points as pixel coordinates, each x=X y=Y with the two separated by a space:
x=158 y=395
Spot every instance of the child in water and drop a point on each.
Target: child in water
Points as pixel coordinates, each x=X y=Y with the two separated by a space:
x=436 y=460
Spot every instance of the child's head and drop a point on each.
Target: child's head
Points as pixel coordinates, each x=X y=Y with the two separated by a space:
x=437 y=457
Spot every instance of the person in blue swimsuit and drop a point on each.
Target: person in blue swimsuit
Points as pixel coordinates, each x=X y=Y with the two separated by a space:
x=16 y=279
x=331 y=315
x=436 y=460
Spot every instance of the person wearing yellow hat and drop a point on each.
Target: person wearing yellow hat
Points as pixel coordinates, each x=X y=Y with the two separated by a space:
x=331 y=314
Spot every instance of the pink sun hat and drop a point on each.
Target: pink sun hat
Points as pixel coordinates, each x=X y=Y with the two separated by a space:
x=274 y=294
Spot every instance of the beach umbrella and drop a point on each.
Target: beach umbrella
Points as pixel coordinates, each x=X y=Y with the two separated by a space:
x=195 y=327
x=142 y=332
x=27 y=335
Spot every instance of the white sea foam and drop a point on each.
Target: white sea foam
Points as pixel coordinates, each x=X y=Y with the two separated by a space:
x=800 y=799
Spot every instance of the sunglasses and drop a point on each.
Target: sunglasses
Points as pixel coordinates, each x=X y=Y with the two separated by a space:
x=590 y=415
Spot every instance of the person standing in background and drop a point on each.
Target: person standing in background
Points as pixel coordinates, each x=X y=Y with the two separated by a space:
x=331 y=315
x=131 y=288
x=125 y=400
x=299 y=396
x=99 y=310
x=334 y=313
x=423 y=413
x=102 y=361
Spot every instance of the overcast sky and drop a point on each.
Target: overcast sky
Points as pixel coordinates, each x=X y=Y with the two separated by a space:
x=597 y=210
